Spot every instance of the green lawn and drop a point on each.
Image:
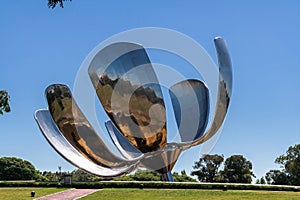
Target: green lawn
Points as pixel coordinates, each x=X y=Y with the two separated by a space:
x=107 y=194
x=161 y=194
x=24 y=193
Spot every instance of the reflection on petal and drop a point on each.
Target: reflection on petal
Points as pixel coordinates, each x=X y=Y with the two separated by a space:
x=162 y=161
x=77 y=130
x=123 y=145
x=224 y=92
x=66 y=150
x=190 y=100
x=128 y=89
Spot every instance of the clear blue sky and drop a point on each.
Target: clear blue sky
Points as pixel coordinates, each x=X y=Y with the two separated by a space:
x=41 y=46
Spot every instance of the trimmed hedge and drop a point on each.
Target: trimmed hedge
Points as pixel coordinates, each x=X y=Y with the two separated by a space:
x=29 y=184
x=177 y=185
x=157 y=185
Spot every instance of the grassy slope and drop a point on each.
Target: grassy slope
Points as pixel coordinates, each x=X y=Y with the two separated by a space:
x=145 y=194
x=24 y=193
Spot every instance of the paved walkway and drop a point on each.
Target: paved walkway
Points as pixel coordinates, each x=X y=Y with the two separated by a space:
x=69 y=194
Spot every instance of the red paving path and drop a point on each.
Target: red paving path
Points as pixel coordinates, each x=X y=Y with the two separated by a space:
x=69 y=194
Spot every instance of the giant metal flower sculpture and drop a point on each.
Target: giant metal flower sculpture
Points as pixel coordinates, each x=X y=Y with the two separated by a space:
x=131 y=96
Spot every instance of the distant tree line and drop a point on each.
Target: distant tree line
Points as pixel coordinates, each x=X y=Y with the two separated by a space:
x=12 y=168
x=79 y=175
x=147 y=175
x=209 y=168
x=290 y=169
x=237 y=169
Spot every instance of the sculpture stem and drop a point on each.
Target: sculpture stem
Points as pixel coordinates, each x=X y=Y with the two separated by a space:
x=167 y=177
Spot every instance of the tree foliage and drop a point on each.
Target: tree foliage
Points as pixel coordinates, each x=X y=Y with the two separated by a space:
x=141 y=175
x=52 y=3
x=182 y=177
x=277 y=177
x=12 y=168
x=51 y=176
x=145 y=175
x=82 y=176
x=148 y=175
x=79 y=175
x=237 y=169
x=290 y=162
x=207 y=168
x=261 y=181
x=4 y=102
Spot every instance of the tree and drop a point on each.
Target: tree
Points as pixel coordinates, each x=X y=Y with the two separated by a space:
x=237 y=169
x=182 y=177
x=12 y=168
x=82 y=176
x=207 y=168
x=290 y=162
x=50 y=176
x=141 y=175
x=52 y=3
x=277 y=177
x=146 y=175
x=261 y=181
x=124 y=178
x=4 y=99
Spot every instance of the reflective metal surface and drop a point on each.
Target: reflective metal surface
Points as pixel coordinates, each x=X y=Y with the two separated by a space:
x=130 y=94
x=128 y=89
x=224 y=92
x=162 y=161
x=123 y=145
x=66 y=150
x=190 y=100
x=77 y=130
